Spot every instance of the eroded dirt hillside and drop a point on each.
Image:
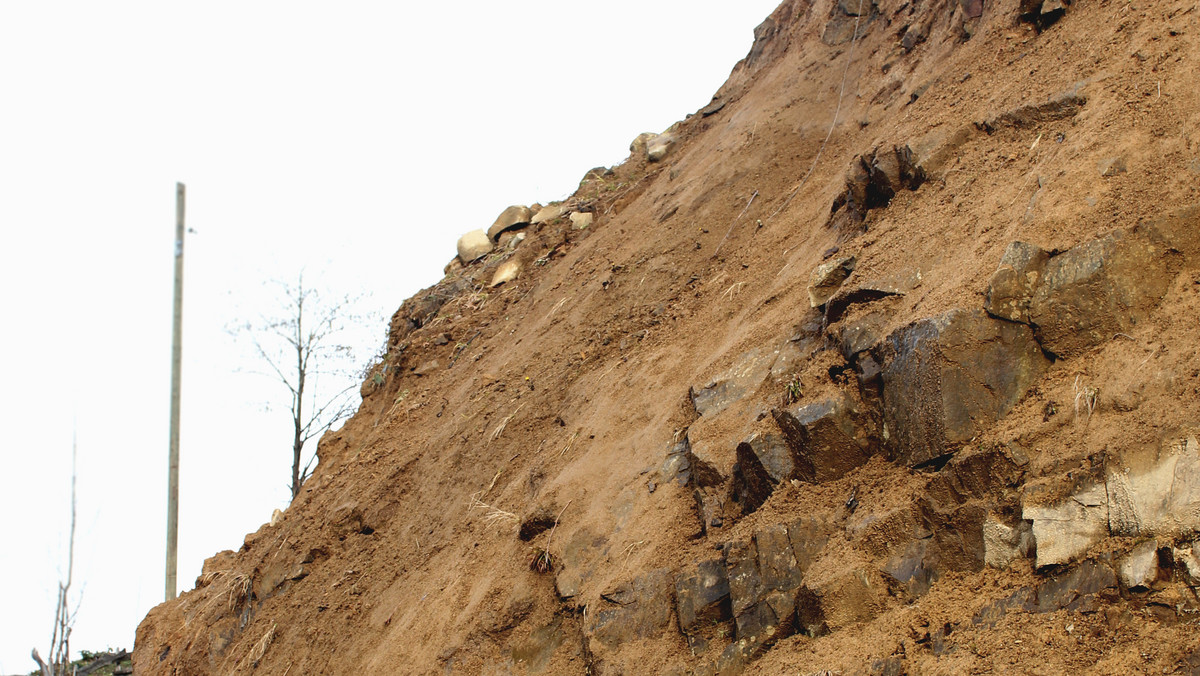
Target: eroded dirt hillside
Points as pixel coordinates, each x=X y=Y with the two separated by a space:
x=915 y=391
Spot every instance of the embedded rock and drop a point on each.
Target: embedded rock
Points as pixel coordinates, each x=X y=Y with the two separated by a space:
x=856 y=336
x=947 y=378
x=851 y=596
x=1036 y=114
x=1005 y=542
x=828 y=438
x=1077 y=588
x=1011 y=290
x=747 y=373
x=988 y=473
x=874 y=179
x=808 y=536
x=641 y=142
x=1067 y=529
x=1098 y=289
x=473 y=246
x=828 y=277
x=548 y=213
x=1139 y=568
x=513 y=217
x=1111 y=166
x=635 y=610
x=580 y=220
x=762 y=463
x=1160 y=498
x=763 y=582
x=506 y=272
x=658 y=147
x=848 y=20
x=702 y=594
x=677 y=467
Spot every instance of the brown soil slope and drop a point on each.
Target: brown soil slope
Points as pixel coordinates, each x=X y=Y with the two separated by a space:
x=969 y=457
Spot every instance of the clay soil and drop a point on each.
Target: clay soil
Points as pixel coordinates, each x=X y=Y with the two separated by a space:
x=563 y=391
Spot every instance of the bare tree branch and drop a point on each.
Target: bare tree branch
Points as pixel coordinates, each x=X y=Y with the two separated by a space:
x=64 y=617
x=307 y=340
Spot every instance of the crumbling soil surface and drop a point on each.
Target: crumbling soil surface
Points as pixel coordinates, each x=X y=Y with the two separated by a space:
x=506 y=485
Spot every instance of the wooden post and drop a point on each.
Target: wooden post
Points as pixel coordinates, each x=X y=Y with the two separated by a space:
x=176 y=368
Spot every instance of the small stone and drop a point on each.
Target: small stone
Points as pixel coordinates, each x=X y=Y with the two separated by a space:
x=507 y=272
x=513 y=217
x=1111 y=166
x=427 y=368
x=580 y=220
x=473 y=246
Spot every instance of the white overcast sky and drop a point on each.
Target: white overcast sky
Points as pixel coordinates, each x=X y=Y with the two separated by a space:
x=356 y=140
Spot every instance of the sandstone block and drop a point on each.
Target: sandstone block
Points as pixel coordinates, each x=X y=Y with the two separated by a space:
x=1067 y=529
x=548 y=213
x=506 y=272
x=580 y=220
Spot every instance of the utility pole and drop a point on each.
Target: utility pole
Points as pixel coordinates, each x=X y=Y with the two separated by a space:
x=176 y=368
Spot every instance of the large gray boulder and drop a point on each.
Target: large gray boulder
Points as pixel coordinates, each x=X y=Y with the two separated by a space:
x=947 y=378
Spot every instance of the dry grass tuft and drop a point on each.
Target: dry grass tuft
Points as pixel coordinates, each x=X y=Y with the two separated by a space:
x=1085 y=398
x=259 y=650
x=503 y=424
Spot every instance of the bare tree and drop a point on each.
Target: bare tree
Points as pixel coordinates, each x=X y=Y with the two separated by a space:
x=305 y=348
x=64 y=617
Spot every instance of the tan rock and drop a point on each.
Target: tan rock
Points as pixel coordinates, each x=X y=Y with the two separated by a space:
x=1139 y=568
x=639 y=145
x=1067 y=529
x=507 y=272
x=827 y=278
x=473 y=246
x=548 y=213
x=580 y=220
x=1162 y=498
x=512 y=217
x=658 y=147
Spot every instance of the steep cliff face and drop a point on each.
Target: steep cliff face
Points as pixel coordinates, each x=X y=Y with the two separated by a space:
x=887 y=363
